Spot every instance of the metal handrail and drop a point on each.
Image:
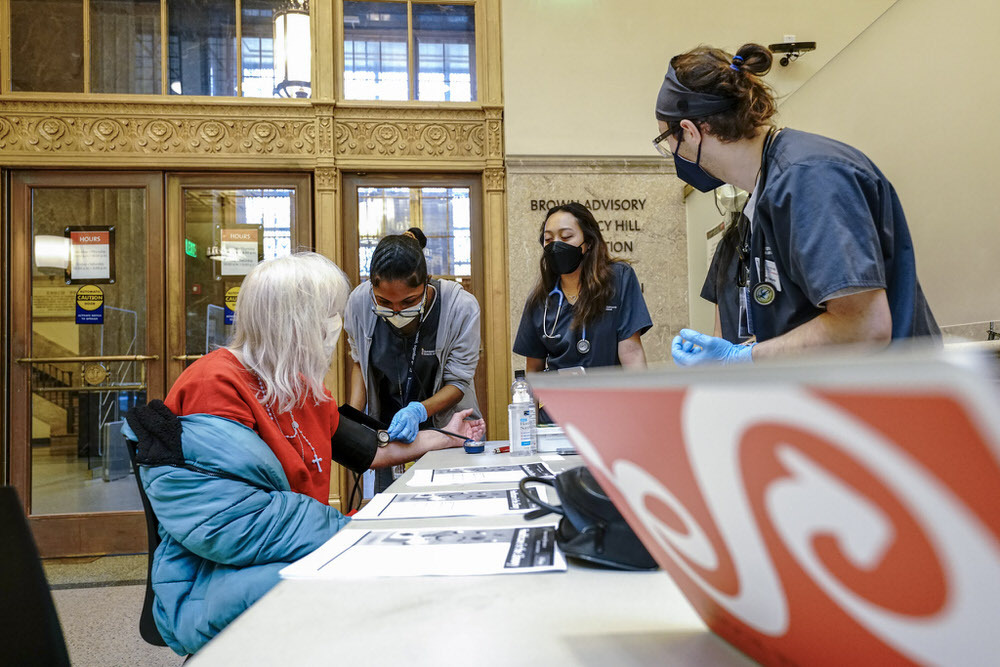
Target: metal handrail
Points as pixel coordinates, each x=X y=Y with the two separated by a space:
x=95 y=388
x=120 y=357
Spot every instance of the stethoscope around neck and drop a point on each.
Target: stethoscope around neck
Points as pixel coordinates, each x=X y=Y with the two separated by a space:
x=582 y=345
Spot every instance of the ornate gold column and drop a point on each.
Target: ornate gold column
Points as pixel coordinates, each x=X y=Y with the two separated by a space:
x=496 y=309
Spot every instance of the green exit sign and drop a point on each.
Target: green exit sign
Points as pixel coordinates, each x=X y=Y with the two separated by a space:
x=190 y=248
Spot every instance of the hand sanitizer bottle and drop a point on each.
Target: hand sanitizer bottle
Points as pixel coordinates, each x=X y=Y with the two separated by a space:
x=522 y=418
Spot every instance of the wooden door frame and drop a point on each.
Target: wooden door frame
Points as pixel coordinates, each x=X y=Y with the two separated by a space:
x=177 y=182
x=350 y=184
x=5 y=333
x=93 y=532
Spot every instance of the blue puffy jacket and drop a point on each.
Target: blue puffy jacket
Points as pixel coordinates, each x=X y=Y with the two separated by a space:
x=228 y=521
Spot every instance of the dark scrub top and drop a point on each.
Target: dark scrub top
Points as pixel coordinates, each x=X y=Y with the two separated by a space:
x=389 y=362
x=827 y=220
x=720 y=286
x=625 y=315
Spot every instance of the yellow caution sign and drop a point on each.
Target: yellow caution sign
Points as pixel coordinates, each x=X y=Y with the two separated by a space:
x=231 y=295
x=90 y=305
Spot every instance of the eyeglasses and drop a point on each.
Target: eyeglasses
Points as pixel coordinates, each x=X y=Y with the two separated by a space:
x=386 y=311
x=661 y=145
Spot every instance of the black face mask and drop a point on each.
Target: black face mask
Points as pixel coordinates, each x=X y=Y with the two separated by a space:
x=563 y=257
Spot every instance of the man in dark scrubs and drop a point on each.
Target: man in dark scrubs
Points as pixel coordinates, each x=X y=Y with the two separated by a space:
x=826 y=257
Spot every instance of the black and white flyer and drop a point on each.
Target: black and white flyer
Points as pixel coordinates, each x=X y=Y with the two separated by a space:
x=477 y=502
x=358 y=553
x=479 y=474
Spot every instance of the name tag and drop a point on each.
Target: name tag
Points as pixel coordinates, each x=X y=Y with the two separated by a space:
x=427 y=353
x=771 y=274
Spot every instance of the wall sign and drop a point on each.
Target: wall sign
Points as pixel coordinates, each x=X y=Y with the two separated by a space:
x=92 y=255
x=620 y=220
x=239 y=251
x=53 y=301
x=231 y=295
x=90 y=305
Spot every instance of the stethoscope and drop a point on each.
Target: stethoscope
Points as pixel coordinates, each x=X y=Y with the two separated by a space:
x=582 y=345
x=763 y=292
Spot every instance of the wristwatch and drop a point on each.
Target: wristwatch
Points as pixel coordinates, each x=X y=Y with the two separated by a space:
x=382 y=437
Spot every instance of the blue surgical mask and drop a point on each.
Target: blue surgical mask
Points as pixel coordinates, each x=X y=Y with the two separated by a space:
x=692 y=173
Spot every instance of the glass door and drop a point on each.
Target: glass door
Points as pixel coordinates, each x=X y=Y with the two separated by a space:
x=87 y=340
x=220 y=226
x=448 y=208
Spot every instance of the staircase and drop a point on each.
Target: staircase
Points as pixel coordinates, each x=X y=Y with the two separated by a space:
x=59 y=410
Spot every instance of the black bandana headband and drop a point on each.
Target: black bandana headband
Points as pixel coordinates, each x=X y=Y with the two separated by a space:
x=677 y=102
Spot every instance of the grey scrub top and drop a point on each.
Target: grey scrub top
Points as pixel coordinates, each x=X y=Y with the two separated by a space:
x=828 y=222
x=625 y=315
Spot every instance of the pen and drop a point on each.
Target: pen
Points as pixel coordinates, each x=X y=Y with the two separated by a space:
x=501 y=450
x=441 y=430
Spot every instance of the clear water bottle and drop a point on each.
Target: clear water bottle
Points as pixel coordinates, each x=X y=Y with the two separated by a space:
x=522 y=419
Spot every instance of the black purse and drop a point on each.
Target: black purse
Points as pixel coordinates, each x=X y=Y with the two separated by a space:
x=591 y=528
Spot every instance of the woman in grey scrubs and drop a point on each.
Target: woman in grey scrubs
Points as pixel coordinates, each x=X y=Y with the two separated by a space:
x=826 y=257
x=414 y=343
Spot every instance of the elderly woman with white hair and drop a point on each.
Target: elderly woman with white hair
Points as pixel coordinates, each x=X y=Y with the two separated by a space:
x=236 y=462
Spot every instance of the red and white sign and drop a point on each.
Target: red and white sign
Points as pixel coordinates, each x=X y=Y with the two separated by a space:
x=810 y=525
x=239 y=251
x=90 y=255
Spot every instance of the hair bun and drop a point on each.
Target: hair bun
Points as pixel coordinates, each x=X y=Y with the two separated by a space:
x=757 y=59
x=417 y=235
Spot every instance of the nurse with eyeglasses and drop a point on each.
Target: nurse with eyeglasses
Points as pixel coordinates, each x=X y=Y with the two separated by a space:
x=414 y=343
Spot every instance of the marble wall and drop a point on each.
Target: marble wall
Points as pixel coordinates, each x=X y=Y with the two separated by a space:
x=640 y=205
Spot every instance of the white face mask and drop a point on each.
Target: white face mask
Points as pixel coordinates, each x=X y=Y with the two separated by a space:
x=334 y=326
x=403 y=317
x=399 y=320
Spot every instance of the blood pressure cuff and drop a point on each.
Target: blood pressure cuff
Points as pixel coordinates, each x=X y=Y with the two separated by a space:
x=591 y=529
x=355 y=443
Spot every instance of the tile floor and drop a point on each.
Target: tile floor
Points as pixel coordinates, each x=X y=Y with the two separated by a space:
x=99 y=601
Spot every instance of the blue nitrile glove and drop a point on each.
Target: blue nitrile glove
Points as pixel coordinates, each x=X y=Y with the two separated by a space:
x=691 y=348
x=405 y=425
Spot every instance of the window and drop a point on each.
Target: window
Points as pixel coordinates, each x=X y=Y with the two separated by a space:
x=377 y=58
x=124 y=47
x=444 y=215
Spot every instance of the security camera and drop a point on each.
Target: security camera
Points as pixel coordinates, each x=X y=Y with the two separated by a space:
x=791 y=50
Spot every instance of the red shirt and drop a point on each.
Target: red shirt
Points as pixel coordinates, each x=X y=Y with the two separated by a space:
x=218 y=384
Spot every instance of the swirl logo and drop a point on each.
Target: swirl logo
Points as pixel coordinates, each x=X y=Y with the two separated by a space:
x=820 y=528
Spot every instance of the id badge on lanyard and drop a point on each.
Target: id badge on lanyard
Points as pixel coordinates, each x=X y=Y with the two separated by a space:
x=746 y=319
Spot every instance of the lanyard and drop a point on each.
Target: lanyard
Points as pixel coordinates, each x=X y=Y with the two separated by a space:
x=404 y=394
x=743 y=226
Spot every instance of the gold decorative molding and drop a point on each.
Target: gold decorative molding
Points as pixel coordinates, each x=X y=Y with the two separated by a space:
x=496 y=179
x=419 y=133
x=35 y=128
x=324 y=132
x=326 y=178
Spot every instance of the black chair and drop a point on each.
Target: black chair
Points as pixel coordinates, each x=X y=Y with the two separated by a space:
x=30 y=633
x=147 y=626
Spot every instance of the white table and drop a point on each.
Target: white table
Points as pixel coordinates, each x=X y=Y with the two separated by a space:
x=586 y=616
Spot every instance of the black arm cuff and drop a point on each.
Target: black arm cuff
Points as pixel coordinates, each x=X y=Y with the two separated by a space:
x=354 y=445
